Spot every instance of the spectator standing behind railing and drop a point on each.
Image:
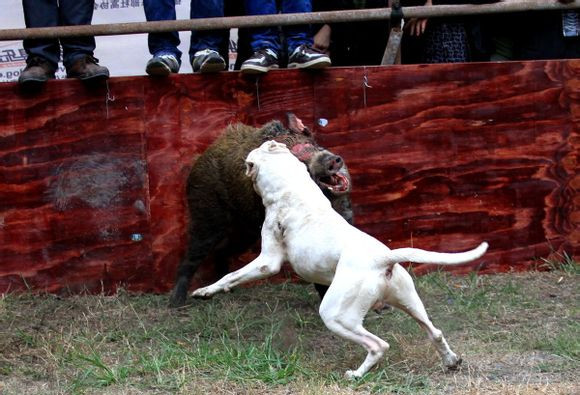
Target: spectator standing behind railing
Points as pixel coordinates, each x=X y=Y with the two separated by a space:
x=265 y=41
x=352 y=43
x=535 y=35
x=444 y=40
x=204 y=48
x=44 y=53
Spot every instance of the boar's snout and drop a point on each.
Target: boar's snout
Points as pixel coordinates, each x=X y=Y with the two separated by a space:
x=329 y=172
x=334 y=164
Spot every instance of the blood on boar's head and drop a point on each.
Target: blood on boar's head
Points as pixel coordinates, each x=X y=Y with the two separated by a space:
x=327 y=169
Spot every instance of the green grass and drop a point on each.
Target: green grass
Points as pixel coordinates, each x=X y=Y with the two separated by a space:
x=564 y=343
x=270 y=339
x=562 y=262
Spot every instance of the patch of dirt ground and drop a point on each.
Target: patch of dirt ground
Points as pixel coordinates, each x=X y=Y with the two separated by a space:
x=518 y=333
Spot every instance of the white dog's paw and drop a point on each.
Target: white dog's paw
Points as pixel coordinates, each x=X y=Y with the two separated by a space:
x=352 y=375
x=452 y=361
x=203 y=293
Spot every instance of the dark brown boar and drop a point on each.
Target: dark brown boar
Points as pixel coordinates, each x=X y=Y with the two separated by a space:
x=226 y=214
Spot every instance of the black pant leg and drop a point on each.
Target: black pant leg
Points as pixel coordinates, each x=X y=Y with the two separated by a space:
x=42 y=13
x=71 y=13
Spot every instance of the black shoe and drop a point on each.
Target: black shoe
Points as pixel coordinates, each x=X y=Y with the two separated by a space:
x=306 y=57
x=260 y=62
x=87 y=68
x=38 y=70
x=207 y=61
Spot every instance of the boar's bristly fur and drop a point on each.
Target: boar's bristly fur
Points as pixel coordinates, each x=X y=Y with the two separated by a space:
x=226 y=214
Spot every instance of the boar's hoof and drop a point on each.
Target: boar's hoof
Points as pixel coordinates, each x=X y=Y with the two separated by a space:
x=178 y=297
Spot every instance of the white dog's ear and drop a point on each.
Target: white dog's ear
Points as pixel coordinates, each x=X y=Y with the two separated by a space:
x=273 y=146
x=251 y=169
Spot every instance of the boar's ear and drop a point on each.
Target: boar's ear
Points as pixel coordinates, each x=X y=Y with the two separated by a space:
x=296 y=125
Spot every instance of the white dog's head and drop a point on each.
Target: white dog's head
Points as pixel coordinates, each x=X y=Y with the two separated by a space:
x=257 y=156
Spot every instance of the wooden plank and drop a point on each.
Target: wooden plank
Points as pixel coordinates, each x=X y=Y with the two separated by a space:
x=445 y=156
x=73 y=189
x=442 y=157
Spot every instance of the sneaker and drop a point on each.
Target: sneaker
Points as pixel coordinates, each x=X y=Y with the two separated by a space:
x=306 y=57
x=207 y=61
x=162 y=65
x=37 y=71
x=260 y=62
x=87 y=68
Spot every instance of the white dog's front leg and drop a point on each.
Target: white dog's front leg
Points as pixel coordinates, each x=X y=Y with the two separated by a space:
x=261 y=267
x=265 y=265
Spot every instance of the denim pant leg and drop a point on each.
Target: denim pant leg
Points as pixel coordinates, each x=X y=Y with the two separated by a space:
x=162 y=43
x=76 y=12
x=207 y=39
x=42 y=13
x=263 y=37
x=297 y=35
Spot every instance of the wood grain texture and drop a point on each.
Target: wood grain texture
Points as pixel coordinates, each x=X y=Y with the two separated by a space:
x=441 y=156
x=73 y=189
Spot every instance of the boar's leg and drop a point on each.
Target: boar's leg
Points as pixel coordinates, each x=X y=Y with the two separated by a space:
x=321 y=289
x=197 y=252
x=238 y=241
x=212 y=235
x=207 y=231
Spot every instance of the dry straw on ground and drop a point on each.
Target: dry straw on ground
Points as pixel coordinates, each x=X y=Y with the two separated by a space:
x=517 y=333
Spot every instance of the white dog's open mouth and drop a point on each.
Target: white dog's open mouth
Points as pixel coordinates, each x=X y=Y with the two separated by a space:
x=337 y=183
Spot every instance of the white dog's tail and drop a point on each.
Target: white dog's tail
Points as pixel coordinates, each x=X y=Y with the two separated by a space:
x=440 y=258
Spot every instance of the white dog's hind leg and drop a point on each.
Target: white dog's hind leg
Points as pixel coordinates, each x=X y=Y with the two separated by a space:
x=402 y=294
x=343 y=310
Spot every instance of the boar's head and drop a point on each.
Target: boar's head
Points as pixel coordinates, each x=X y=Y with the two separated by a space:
x=327 y=170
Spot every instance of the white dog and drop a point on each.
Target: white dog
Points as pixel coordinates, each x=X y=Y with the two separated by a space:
x=301 y=227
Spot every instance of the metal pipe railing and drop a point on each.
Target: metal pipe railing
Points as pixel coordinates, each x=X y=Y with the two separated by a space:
x=279 y=20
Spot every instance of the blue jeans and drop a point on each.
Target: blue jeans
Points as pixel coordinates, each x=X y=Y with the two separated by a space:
x=268 y=37
x=166 y=43
x=48 y=13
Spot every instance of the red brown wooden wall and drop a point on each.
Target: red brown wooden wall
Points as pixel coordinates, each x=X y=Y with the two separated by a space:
x=441 y=156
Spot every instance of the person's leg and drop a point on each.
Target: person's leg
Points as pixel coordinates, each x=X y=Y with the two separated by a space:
x=163 y=46
x=43 y=54
x=206 y=39
x=78 y=51
x=76 y=12
x=297 y=35
x=264 y=41
x=263 y=37
x=167 y=42
x=205 y=44
x=301 y=54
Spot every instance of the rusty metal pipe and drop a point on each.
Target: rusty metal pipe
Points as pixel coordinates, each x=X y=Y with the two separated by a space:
x=277 y=19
